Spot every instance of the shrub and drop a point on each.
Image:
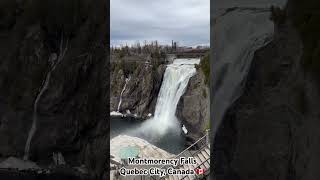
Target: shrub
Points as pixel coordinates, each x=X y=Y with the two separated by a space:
x=205 y=67
x=204 y=93
x=208 y=125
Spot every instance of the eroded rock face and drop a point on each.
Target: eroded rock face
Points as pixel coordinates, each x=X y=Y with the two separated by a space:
x=238 y=32
x=143 y=86
x=193 y=109
x=142 y=89
x=270 y=131
x=72 y=111
x=258 y=127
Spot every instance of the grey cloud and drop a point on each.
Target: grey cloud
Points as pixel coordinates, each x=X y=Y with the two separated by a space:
x=186 y=21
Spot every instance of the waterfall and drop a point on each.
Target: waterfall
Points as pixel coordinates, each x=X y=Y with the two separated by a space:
x=175 y=81
x=238 y=34
x=54 y=60
x=35 y=117
x=124 y=88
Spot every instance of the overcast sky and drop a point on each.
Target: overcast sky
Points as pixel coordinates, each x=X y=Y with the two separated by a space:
x=185 y=21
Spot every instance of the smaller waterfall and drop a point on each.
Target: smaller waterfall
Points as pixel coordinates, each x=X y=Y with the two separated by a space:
x=124 y=88
x=54 y=60
x=247 y=31
x=35 y=117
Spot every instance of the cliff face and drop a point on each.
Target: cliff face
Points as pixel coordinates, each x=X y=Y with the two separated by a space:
x=72 y=110
x=270 y=131
x=239 y=28
x=193 y=109
x=142 y=88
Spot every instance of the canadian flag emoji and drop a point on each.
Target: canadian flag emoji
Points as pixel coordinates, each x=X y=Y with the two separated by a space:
x=199 y=171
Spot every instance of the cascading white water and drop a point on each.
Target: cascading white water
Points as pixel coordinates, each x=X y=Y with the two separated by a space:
x=124 y=88
x=54 y=60
x=238 y=34
x=175 y=81
x=34 y=122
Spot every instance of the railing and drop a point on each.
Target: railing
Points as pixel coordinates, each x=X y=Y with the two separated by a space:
x=193 y=145
x=200 y=145
x=191 y=151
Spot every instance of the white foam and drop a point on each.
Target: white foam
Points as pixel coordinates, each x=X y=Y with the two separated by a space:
x=115 y=113
x=175 y=81
x=184 y=129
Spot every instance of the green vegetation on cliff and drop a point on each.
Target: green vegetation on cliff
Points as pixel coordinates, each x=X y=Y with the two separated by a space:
x=126 y=67
x=208 y=125
x=205 y=67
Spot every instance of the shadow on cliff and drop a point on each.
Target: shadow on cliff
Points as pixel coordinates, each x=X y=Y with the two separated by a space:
x=73 y=111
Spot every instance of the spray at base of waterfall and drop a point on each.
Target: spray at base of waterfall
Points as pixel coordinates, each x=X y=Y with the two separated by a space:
x=174 y=85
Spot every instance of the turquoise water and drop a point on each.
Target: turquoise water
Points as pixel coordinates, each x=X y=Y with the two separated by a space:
x=129 y=152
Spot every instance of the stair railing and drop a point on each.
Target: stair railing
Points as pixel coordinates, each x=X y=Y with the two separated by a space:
x=204 y=139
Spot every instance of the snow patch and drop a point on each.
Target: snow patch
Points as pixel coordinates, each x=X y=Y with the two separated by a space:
x=114 y=113
x=184 y=129
x=16 y=163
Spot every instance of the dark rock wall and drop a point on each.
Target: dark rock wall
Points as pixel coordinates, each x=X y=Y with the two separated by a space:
x=140 y=95
x=72 y=114
x=193 y=108
x=271 y=131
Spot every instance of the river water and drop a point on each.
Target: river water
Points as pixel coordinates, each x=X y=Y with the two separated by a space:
x=171 y=142
x=163 y=129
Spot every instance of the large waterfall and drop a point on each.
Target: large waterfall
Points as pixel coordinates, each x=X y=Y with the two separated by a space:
x=175 y=81
x=239 y=32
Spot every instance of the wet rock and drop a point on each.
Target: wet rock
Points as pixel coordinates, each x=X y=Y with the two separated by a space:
x=61 y=174
x=271 y=131
x=58 y=159
x=193 y=108
x=141 y=91
x=19 y=164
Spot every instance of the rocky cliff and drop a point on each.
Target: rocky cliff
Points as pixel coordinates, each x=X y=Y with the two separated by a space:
x=71 y=111
x=239 y=28
x=142 y=88
x=270 y=131
x=193 y=109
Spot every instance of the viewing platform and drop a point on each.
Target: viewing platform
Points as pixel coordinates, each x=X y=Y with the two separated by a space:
x=200 y=151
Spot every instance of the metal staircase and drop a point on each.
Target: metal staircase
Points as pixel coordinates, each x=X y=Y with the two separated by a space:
x=200 y=151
